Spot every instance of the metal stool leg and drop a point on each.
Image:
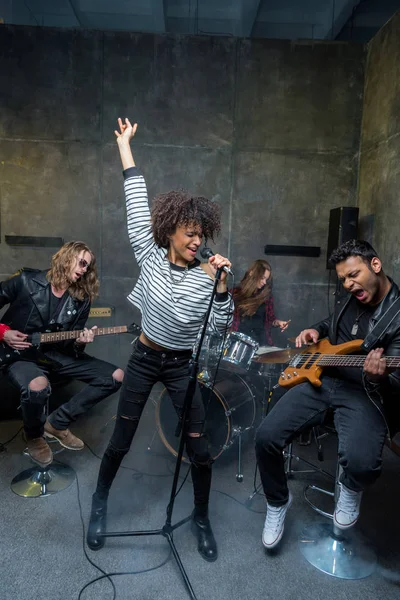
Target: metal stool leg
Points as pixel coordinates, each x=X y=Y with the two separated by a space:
x=342 y=554
x=38 y=482
x=43 y=481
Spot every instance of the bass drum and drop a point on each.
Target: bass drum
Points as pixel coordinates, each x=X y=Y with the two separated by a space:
x=230 y=410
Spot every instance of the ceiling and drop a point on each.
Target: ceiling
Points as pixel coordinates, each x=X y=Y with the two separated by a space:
x=283 y=19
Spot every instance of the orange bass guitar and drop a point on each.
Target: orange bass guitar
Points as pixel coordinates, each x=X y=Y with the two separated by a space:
x=308 y=363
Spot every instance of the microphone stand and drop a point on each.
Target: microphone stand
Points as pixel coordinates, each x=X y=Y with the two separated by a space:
x=168 y=529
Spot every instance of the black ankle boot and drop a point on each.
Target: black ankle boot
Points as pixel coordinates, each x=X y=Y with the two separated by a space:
x=97 y=523
x=206 y=544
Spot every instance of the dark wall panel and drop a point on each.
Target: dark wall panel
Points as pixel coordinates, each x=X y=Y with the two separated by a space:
x=48 y=188
x=50 y=83
x=178 y=88
x=301 y=96
x=381 y=117
x=380 y=146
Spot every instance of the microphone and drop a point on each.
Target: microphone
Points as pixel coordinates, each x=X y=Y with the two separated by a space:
x=207 y=253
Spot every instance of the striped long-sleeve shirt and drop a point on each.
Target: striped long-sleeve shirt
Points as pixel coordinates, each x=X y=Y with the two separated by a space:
x=173 y=303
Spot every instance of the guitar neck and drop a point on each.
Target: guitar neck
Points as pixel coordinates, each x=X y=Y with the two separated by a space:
x=59 y=336
x=352 y=360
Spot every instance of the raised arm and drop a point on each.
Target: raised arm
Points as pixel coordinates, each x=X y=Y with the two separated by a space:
x=124 y=135
x=137 y=204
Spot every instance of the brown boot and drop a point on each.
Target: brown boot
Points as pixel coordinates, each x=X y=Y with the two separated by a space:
x=39 y=451
x=64 y=436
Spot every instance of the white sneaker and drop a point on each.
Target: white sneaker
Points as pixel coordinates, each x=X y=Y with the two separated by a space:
x=347 y=508
x=274 y=524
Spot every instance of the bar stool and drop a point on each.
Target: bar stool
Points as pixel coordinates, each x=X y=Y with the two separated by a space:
x=37 y=481
x=342 y=554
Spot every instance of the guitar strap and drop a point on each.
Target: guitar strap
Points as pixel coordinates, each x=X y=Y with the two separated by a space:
x=372 y=339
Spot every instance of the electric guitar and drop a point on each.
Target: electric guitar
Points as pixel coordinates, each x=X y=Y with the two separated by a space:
x=309 y=363
x=52 y=335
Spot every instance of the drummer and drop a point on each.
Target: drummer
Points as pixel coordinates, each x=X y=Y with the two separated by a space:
x=254 y=304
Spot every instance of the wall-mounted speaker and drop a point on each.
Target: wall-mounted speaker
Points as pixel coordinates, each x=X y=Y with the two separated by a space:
x=343 y=225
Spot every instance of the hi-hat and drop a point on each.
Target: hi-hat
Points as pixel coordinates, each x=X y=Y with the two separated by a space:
x=281 y=356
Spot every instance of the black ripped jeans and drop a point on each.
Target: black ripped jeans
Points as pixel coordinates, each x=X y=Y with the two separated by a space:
x=145 y=368
x=93 y=371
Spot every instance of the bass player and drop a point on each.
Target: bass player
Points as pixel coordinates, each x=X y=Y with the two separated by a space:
x=362 y=401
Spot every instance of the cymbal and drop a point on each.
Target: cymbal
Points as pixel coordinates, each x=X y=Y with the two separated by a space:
x=281 y=356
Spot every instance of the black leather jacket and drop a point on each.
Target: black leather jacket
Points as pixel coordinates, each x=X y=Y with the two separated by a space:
x=387 y=393
x=28 y=295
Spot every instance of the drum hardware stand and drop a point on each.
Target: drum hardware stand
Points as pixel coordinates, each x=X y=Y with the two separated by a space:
x=239 y=474
x=168 y=529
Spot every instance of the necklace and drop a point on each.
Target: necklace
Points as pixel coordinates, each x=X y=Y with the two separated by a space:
x=182 y=276
x=354 y=329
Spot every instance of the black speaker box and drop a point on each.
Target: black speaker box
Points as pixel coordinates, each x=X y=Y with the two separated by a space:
x=343 y=225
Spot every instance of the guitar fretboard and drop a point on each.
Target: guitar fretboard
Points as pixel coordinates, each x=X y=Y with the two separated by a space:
x=354 y=360
x=59 y=336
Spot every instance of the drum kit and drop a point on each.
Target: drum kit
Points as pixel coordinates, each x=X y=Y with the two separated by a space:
x=236 y=378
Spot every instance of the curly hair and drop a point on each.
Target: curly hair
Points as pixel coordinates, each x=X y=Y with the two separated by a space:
x=247 y=296
x=359 y=248
x=88 y=285
x=177 y=208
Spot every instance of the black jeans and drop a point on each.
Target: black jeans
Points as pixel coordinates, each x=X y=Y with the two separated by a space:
x=360 y=426
x=145 y=368
x=93 y=371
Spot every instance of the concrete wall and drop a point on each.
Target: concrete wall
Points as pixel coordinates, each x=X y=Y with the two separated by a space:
x=269 y=129
x=380 y=144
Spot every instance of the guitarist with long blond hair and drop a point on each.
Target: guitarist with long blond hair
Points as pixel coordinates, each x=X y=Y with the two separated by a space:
x=38 y=301
x=363 y=401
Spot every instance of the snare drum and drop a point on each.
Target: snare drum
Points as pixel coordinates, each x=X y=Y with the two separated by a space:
x=239 y=350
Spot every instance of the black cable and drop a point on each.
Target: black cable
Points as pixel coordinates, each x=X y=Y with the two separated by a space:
x=84 y=547
x=260 y=512
x=104 y=574
x=4 y=444
x=182 y=484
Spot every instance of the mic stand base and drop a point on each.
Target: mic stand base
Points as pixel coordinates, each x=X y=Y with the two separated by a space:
x=167 y=532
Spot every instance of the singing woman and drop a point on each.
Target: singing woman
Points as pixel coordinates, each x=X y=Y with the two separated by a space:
x=172 y=293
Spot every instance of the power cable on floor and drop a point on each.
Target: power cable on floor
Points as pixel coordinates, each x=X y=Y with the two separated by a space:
x=3 y=445
x=106 y=575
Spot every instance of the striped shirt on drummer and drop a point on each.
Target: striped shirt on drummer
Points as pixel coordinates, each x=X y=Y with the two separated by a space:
x=173 y=300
